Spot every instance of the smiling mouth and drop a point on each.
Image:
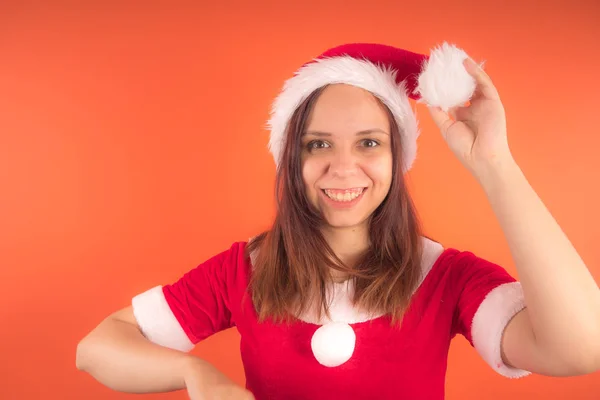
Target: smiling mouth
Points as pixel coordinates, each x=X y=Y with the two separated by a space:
x=344 y=195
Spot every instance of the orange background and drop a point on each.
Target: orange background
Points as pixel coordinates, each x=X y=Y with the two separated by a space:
x=133 y=147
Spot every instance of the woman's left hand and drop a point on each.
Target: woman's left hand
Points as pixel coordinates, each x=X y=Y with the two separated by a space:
x=476 y=133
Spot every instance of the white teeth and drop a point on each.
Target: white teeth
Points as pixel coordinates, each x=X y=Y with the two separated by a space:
x=346 y=195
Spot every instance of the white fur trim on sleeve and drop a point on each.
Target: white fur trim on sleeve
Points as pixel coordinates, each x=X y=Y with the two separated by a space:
x=492 y=316
x=157 y=321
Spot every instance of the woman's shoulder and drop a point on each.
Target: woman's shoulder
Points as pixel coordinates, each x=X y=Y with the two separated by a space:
x=457 y=267
x=226 y=269
x=234 y=261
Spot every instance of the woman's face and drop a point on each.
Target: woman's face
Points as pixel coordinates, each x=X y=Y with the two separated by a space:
x=347 y=155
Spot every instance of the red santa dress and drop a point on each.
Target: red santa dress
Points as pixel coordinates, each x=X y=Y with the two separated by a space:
x=349 y=355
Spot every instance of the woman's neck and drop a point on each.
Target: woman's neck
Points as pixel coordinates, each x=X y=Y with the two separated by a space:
x=349 y=244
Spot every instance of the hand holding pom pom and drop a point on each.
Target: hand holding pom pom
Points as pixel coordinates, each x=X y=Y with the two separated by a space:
x=476 y=132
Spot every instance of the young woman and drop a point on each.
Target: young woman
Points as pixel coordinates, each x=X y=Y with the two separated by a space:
x=345 y=297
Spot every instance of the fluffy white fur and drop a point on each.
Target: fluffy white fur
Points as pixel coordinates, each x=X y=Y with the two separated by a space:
x=157 y=322
x=361 y=73
x=444 y=82
x=333 y=344
x=492 y=316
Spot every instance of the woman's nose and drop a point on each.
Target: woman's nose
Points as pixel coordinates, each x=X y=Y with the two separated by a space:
x=343 y=162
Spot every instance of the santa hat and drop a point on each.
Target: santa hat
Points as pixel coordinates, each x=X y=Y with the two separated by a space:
x=393 y=75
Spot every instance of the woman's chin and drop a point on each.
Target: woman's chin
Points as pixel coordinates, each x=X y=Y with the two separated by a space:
x=345 y=221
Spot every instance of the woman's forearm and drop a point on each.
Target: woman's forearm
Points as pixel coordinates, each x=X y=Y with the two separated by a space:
x=117 y=355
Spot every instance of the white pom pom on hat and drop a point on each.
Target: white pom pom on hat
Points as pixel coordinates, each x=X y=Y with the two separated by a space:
x=392 y=74
x=444 y=82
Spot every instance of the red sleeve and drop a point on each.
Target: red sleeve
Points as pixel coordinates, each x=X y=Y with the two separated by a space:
x=488 y=298
x=197 y=305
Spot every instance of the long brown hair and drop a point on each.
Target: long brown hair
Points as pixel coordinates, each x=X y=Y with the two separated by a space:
x=292 y=262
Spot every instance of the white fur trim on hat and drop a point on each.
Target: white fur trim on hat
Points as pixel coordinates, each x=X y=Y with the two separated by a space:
x=489 y=322
x=380 y=81
x=157 y=322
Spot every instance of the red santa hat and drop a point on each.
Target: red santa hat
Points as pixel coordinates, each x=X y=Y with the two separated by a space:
x=391 y=74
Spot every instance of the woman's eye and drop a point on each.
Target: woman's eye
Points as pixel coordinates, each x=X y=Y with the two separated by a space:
x=316 y=144
x=370 y=143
